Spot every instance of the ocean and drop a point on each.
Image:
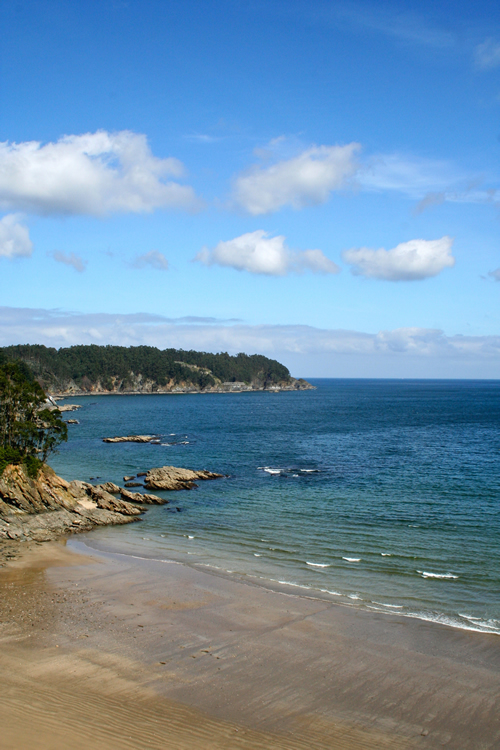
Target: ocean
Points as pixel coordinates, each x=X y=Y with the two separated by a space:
x=377 y=494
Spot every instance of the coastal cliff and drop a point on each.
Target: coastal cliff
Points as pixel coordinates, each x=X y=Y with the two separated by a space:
x=82 y=370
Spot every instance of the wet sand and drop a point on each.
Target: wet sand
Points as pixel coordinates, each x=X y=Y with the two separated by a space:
x=106 y=651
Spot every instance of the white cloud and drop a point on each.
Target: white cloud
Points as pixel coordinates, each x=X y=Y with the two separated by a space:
x=495 y=274
x=304 y=180
x=256 y=252
x=408 y=261
x=487 y=54
x=307 y=351
x=155 y=259
x=95 y=173
x=408 y=174
x=14 y=238
x=70 y=260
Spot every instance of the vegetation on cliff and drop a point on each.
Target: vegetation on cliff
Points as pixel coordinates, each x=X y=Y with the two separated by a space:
x=29 y=431
x=118 y=367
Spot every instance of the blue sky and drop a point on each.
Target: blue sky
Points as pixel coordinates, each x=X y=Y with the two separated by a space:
x=314 y=181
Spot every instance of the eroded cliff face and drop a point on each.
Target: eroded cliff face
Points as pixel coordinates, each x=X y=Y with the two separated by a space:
x=138 y=384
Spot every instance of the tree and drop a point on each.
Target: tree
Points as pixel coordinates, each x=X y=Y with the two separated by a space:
x=28 y=428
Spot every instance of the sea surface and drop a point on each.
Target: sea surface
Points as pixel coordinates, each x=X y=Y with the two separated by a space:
x=378 y=494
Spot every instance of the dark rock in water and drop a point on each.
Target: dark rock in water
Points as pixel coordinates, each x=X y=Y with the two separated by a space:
x=141 y=473
x=134 y=484
x=173 y=478
x=72 y=421
x=129 y=479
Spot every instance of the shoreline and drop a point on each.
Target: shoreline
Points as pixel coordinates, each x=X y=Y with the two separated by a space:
x=276 y=585
x=193 y=391
x=284 y=670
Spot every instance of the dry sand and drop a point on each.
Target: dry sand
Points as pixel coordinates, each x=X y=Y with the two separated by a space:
x=104 y=651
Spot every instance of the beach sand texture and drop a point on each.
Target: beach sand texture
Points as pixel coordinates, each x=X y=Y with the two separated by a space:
x=105 y=651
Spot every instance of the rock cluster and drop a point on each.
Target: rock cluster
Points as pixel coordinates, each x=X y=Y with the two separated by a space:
x=173 y=478
x=44 y=508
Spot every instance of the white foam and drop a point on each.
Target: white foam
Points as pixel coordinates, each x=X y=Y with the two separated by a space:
x=392 y=606
x=426 y=574
x=353 y=596
x=318 y=565
x=190 y=537
x=386 y=554
x=273 y=471
x=256 y=554
x=352 y=559
x=470 y=617
x=333 y=593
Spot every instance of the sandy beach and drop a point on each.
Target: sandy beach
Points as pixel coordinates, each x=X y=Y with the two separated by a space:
x=103 y=650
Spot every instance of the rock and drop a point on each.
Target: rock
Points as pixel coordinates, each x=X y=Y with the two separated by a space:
x=143 y=499
x=72 y=421
x=106 y=501
x=173 y=478
x=46 y=507
x=128 y=479
x=68 y=407
x=109 y=487
x=134 y=484
x=131 y=439
x=141 y=473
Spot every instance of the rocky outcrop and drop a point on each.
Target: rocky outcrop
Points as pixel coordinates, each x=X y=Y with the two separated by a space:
x=109 y=487
x=142 y=498
x=44 y=508
x=173 y=478
x=47 y=507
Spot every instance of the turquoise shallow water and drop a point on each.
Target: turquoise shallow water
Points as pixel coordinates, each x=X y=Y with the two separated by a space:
x=379 y=494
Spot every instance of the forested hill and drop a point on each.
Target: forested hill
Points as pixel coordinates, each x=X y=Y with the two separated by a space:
x=120 y=369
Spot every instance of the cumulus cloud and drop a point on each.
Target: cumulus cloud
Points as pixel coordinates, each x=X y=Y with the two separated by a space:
x=95 y=174
x=487 y=54
x=305 y=180
x=495 y=274
x=307 y=351
x=14 y=238
x=408 y=261
x=70 y=259
x=155 y=259
x=257 y=252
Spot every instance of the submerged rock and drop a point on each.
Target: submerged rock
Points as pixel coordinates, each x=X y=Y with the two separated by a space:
x=173 y=478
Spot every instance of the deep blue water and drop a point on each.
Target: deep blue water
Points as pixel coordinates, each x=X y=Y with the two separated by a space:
x=381 y=494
